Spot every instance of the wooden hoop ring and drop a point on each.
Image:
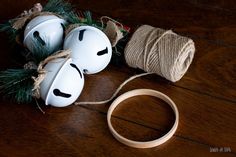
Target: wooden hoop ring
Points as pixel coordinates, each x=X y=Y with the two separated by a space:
x=138 y=144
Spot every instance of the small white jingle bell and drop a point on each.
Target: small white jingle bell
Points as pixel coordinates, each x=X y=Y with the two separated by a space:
x=91 y=48
x=62 y=84
x=47 y=30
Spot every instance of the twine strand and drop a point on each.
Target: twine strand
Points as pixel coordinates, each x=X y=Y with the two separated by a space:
x=112 y=29
x=113 y=33
x=20 y=21
x=114 y=94
x=23 y=17
x=110 y=19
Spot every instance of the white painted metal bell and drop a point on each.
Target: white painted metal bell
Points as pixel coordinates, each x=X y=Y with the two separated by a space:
x=63 y=83
x=47 y=30
x=91 y=48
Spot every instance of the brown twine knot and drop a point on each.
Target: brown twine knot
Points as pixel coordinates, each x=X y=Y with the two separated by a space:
x=113 y=33
x=19 y=22
x=30 y=65
x=42 y=72
x=23 y=17
x=159 y=51
x=112 y=30
x=37 y=8
x=70 y=28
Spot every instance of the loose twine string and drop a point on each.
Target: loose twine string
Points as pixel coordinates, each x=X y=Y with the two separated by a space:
x=156 y=51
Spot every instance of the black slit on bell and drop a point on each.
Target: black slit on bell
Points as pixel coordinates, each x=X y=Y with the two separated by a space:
x=100 y=53
x=38 y=38
x=74 y=66
x=64 y=29
x=57 y=92
x=81 y=34
x=85 y=71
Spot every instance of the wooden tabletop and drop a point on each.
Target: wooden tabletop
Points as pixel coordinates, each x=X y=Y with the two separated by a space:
x=205 y=96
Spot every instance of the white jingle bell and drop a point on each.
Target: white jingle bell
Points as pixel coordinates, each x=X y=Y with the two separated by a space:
x=63 y=83
x=47 y=30
x=91 y=48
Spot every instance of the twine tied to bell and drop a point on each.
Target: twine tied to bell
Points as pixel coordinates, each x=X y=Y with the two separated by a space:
x=20 y=21
x=112 y=30
x=71 y=27
x=42 y=72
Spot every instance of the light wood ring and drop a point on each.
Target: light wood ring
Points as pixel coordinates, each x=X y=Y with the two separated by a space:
x=138 y=144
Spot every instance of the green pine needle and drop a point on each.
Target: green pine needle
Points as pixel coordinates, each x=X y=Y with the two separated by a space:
x=72 y=18
x=11 y=32
x=40 y=52
x=88 y=20
x=59 y=7
x=88 y=17
x=17 y=84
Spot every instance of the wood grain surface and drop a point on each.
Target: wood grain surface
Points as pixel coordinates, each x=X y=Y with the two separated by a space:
x=205 y=96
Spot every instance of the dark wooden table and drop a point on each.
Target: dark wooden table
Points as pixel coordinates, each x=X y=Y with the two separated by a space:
x=205 y=96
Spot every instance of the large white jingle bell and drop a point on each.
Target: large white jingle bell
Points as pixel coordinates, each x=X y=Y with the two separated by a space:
x=62 y=84
x=47 y=30
x=91 y=48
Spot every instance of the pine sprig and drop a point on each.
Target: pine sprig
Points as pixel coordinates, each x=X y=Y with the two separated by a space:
x=72 y=18
x=10 y=31
x=40 y=52
x=86 y=19
x=17 y=84
x=59 y=7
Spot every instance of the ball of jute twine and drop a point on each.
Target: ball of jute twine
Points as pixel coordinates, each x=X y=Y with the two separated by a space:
x=156 y=51
x=160 y=51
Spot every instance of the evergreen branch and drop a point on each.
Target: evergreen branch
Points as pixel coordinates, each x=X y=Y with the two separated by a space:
x=40 y=52
x=59 y=7
x=72 y=18
x=10 y=31
x=88 y=17
x=17 y=84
